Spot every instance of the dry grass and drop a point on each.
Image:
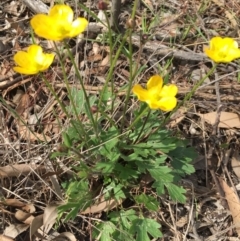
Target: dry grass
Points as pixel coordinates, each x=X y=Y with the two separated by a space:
x=176 y=33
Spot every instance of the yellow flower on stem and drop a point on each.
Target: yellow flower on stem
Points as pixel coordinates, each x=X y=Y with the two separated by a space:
x=58 y=24
x=32 y=61
x=222 y=50
x=156 y=95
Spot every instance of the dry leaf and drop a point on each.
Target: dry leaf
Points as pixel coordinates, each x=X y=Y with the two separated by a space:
x=13 y=231
x=14 y=8
x=102 y=206
x=230 y=16
x=13 y=202
x=4 y=238
x=235 y=162
x=49 y=217
x=101 y=15
x=149 y=4
x=26 y=134
x=37 y=223
x=197 y=75
x=20 y=169
x=24 y=217
x=17 y=97
x=66 y=236
x=95 y=58
x=23 y=104
x=13 y=85
x=227 y=119
x=233 y=203
x=56 y=186
x=177 y=117
x=29 y=208
x=104 y=64
x=182 y=221
x=96 y=48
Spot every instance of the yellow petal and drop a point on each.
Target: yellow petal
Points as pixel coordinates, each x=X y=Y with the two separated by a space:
x=58 y=24
x=34 y=51
x=231 y=43
x=222 y=50
x=46 y=27
x=215 y=42
x=39 y=59
x=141 y=93
x=21 y=70
x=78 y=26
x=169 y=90
x=155 y=81
x=62 y=11
x=46 y=61
x=154 y=105
x=167 y=103
x=22 y=59
x=32 y=61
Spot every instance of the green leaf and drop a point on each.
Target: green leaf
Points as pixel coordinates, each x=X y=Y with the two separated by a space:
x=118 y=192
x=105 y=230
x=150 y=202
x=106 y=95
x=114 y=190
x=142 y=227
x=181 y=159
x=127 y=218
x=110 y=136
x=109 y=149
x=73 y=131
x=79 y=101
x=66 y=140
x=123 y=218
x=159 y=187
x=77 y=188
x=161 y=159
x=73 y=208
x=176 y=192
x=105 y=167
x=126 y=172
x=162 y=174
x=58 y=154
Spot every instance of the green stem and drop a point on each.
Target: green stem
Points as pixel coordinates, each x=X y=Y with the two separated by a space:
x=191 y=93
x=81 y=132
x=140 y=115
x=143 y=126
x=88 y=107
x=132 y=72
x=112 y=67
x=195 y=87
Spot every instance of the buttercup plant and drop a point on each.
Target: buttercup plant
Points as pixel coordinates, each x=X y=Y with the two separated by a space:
x=32 y=61
x=156 y=95
x=118 y=154
x=222 y=50
x=58 y=24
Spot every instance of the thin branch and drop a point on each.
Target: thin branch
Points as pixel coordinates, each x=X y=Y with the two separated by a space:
x=36 y=6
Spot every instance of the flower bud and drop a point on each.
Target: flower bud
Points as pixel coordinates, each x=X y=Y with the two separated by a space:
x=94 y=109
x=102 y=5
x=131 y=23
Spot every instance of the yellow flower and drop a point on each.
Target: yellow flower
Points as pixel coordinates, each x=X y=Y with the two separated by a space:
x=58 y=24
x=32 y=61
x=156 y=95
x=222 y=50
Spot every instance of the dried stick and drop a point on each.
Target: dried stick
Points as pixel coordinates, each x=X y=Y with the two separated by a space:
x=115 y=11
x=36 y=6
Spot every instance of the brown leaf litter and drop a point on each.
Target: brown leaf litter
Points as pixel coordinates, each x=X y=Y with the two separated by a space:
x=30 y=130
